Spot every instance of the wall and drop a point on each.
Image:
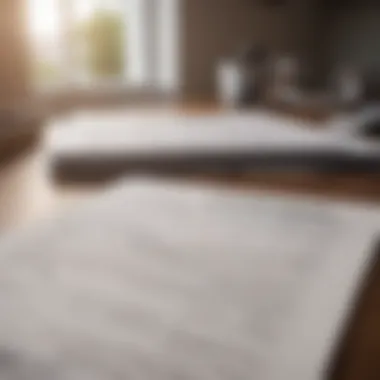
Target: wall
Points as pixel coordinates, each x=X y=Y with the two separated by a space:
x=213 y=29
x=14 y=60
x=354 y=38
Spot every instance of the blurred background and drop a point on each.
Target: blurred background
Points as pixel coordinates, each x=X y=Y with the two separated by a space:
x=87 y=79
x=200 y=51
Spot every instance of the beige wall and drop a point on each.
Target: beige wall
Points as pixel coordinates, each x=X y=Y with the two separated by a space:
x=14 y=64
x=213 y=29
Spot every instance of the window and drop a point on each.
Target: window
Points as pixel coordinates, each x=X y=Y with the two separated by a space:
x=44 y=16
x=92 y=42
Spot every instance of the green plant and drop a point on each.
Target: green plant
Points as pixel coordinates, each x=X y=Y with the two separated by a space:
x=103 y=37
